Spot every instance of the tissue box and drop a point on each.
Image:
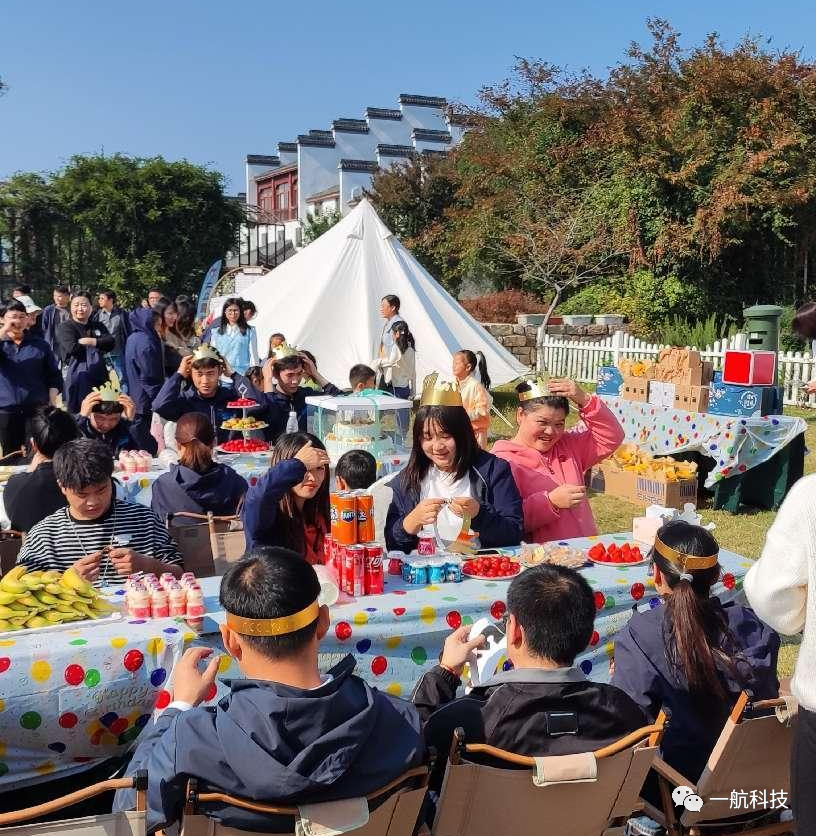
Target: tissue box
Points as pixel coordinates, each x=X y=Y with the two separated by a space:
x=749 y=368
x=635 y=389
x=644 y=529
x=744 y=401
x=609 y=382
x=662 y=394
x=691 y=398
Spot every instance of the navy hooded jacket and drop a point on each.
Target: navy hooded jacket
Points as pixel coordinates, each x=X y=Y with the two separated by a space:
x=643 y=670
x=118 y=439
x=275 y=743
x=500 y=520
x=144 y=361
x=261 y=504
x=219 y=490
x=27 y=372
x=178 y=396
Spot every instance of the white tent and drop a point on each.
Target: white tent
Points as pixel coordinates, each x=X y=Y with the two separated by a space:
x=326 y=298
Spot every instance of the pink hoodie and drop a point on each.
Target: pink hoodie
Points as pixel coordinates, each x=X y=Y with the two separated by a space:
x=565 y=463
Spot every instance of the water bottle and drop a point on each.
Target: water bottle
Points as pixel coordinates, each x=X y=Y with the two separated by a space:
x=292 y=422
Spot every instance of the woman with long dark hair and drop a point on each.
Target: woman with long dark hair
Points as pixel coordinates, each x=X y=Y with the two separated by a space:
x=449 y=478
x=235 y=338
x=82 y=344
x=693 y=655
x=185 y=340
x=475 y=395
x=289 y=505
x=398 y=368
x=197 y=483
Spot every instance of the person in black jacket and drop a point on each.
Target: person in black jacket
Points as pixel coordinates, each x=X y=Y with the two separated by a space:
x=29 y=377
x=197 y=484
x=32 y=496
x=285 y=395
x=82 y=347
x=144 y=369
x=544 y=705
x=109 y=421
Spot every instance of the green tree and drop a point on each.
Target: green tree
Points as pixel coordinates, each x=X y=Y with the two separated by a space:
x=316 y=225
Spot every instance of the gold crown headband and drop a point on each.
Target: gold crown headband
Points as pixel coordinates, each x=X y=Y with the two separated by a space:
x=436 y=392
x=539 y=388
x=110 y=392
x=207 y=352
x=274 y=626
x=685 y=562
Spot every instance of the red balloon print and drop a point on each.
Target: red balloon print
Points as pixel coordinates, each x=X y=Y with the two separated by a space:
x=343 y=630
x=379 y=664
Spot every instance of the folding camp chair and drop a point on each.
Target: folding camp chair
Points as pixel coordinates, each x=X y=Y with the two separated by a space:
x=10 y=544
x=208 y=544
x=589 y=794
x=131 y=823
x=392 y=810
x=752 y=759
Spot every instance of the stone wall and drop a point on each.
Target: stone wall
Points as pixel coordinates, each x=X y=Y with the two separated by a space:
x=521 y=339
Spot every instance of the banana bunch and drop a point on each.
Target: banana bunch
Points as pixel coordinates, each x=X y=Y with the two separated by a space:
x=630 y=457
x=41 y=599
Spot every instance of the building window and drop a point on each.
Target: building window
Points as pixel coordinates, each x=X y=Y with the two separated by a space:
x=282 y=196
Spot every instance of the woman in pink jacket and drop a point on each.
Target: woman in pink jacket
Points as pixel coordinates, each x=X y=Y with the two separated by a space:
x=549 y=463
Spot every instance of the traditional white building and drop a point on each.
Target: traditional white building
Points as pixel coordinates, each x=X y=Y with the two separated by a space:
x=327 y=170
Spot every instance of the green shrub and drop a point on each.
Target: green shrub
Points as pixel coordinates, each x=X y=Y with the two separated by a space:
x=788 y=341
x=701 y=333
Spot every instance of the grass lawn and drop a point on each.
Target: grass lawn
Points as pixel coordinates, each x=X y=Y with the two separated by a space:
x=743 y=533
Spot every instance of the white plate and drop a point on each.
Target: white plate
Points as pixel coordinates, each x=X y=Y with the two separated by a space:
x=618 y=565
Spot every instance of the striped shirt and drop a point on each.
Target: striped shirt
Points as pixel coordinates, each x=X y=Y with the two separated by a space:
x=58 y=541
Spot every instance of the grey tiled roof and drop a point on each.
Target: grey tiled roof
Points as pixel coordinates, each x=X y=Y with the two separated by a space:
x=432 y=152
x=262 y=159
x=383 y=113
x=355 y=126
x=287 y=147
x=422 y=101
x=358 y=165
x=396 y=150
x=316 y=141
x=430 y=136
x=462 y=120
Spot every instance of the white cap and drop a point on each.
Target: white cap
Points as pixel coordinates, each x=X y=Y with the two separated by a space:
x=30 y=305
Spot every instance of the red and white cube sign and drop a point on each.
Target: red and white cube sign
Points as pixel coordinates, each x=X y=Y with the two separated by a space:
x=749 y=368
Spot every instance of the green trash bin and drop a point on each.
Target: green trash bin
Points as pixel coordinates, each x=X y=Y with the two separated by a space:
x=762 y=327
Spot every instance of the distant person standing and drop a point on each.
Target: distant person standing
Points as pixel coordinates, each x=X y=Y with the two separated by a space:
x=476 y=398
x=144 y=367
x=29 y=377
x=82 y=346
x=234 y=339
x=117 y=322
x=390 y=312
x=399 y=366
x=55 y=314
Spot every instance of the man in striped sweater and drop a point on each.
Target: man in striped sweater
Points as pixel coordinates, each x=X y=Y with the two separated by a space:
x=103 y=538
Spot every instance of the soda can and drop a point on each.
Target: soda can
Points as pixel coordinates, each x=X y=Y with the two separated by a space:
x=365 y=516
x=328 y=550
x=427 y=544
x=373 y=579
x=347 y=574
x=343 y=508
x=359 y=569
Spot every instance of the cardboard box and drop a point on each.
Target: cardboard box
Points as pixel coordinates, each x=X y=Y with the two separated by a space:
x=610 y=381
x=744 y=401
x=691 y=398
x=642 y=490
x=749 y=368
x=635 y=389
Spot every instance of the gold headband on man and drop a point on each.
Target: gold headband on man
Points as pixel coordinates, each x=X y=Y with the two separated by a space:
x=274 y=626
x=539 y=388
x=685 y=562
x=436 y=392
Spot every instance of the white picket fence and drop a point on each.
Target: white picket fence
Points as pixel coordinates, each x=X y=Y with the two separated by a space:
x=580 y=360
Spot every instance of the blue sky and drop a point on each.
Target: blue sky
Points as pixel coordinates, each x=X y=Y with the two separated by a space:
x=213 y=81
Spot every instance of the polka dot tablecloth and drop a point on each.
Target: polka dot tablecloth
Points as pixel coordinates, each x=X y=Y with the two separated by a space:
x=397 y=636
x=735 y=444
x=72 y=696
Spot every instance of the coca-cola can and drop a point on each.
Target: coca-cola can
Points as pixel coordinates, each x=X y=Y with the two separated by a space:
x=373 y=581
x=353 y=571
x=346 y=570
x=328 y=550
x=427 y=544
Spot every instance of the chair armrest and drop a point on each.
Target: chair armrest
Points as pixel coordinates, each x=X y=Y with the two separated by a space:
x=671 y=775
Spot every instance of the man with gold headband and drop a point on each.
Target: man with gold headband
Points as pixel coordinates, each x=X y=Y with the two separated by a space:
x=197 y=387
x=283 y=733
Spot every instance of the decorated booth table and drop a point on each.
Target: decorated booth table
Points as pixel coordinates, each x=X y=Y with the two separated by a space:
x=70 y=695
x=753 y=460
